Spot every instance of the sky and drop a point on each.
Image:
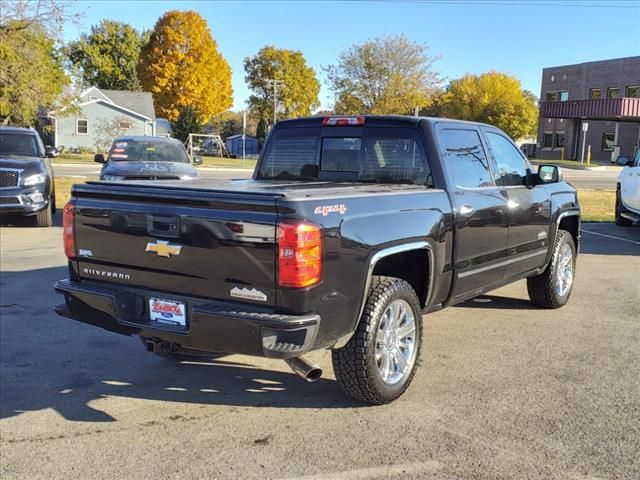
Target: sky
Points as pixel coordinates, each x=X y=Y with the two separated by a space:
x=519 y=37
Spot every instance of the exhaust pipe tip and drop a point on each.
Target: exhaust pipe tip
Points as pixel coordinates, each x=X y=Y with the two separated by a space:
x=305 y=370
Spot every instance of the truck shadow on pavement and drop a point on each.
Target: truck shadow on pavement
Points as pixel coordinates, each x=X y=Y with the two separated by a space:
x=50 y=362
x=27 y=222
x=497 y=302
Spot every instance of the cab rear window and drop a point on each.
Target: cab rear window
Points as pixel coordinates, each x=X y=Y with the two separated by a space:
x=379 y=156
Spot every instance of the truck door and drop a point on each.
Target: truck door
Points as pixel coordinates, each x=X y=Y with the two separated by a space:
x=480 y=209
x=529 y=206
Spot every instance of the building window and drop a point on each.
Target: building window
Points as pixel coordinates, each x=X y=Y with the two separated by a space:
x=552 y=96
x=547 y=140
x=595 y=94
x=563 y=95
x=607 y=141
x=613 y=92
x=633 y=91
x=124 y=124
x=558 y=140
x=82 y=126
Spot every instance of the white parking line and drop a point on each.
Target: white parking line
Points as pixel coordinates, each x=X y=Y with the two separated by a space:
x=612 y=236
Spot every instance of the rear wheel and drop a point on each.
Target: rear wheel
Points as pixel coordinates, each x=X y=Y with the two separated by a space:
x=380 y=360
x=620 y=220
x=552 y=288
x=44 y=218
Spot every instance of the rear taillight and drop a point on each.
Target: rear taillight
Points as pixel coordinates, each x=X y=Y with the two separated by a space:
x=299 y=254
x=343 y=121
x=68 y=219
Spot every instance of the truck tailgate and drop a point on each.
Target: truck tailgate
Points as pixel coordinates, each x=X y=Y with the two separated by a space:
x=212 y=244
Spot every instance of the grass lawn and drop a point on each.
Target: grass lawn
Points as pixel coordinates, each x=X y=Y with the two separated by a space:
x=207 y=161
x=63 y=189
x=597 y=205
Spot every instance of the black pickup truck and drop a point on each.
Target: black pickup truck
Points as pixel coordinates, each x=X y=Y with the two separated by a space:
x=349 y=231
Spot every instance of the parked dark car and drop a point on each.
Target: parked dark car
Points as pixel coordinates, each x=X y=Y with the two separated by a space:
x=350 y=229
x=26 y=178
x=147 y=158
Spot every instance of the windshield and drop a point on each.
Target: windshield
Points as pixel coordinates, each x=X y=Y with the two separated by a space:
x=22 y=144
x=376 y=155
x=136 y=151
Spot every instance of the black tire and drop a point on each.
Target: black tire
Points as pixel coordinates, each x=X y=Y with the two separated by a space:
x=620 y=220
x=542 y=288
x=44 y=218
x=355 y=365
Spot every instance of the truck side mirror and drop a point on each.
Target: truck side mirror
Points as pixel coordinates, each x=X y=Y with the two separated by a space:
x=99 y=158
x=197 y=160
x=549 y=173
x=622 y=161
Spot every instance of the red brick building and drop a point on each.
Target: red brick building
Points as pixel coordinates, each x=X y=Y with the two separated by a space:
x=603 y=94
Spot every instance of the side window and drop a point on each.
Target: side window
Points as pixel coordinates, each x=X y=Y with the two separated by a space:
x=465 y=158
x=636 y=162
x=512 y=169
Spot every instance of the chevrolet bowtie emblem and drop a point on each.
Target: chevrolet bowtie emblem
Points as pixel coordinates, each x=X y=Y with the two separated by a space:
x=163 y=248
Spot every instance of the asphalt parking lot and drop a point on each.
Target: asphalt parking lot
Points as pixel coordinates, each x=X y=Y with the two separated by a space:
x=505 y=390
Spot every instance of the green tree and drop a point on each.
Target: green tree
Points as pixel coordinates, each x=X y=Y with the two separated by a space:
x=492 y=97
x=32 y=76
x=387 y=75
x=297 y=92
x=187 y=122
x=108 y=56
x=181 y=66
x=261 y=131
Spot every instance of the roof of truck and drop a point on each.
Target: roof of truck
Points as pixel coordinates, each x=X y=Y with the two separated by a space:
x=375 y=120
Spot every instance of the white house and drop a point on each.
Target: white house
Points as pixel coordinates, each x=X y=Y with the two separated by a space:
x=98 y=114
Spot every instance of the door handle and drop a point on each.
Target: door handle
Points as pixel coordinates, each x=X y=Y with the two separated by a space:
x=467 y=210
x=512 y=204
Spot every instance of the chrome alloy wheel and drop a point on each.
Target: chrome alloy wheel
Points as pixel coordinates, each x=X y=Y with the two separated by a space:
x=396 y=342
x=564 y=270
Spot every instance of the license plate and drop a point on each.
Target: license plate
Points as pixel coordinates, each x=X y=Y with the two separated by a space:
x=168 y=312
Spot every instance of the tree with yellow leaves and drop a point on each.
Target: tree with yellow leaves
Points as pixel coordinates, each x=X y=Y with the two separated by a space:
x=492 y=97
x=181 y=67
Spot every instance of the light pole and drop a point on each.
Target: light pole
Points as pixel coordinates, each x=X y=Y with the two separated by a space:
x=275 y=84
x=244 y=136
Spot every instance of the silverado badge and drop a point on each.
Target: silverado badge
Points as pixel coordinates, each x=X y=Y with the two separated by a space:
x=163 y=248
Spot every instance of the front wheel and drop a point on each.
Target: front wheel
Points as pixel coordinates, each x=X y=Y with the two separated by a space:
x=552 y=288
x=620 y=220
x=44 y=218
x=380 y=360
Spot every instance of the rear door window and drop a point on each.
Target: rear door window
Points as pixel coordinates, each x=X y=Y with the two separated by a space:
x=466 y=159
x=512 y=168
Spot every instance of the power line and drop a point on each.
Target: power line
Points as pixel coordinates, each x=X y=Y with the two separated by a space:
x=619 y=4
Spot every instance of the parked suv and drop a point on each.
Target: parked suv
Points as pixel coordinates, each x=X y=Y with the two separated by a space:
x=628 y=191
x=26 y=178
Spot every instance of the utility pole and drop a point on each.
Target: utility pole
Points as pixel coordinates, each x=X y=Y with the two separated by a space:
x=275 y=84
x=244 y=136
